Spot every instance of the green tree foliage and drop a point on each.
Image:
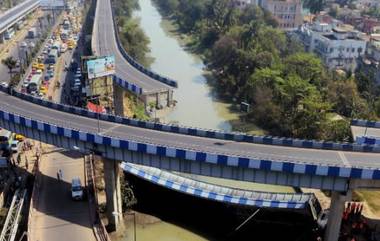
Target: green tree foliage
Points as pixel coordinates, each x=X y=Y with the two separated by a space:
x=10 y=62
x=291 y=92
x=132 y=37
x=315 y=6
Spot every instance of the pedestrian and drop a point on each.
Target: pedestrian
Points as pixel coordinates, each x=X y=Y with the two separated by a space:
x=18 y=160
x=58 y=176
x=26 y=163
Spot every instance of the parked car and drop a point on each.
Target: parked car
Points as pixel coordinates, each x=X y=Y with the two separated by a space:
x=14 y=146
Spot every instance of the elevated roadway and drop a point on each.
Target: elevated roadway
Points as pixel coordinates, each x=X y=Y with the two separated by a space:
x=13 y=15
x=105 y=43
x=216 y=152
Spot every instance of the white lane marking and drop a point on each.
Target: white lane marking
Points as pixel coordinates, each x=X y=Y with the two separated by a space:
x=344 y=159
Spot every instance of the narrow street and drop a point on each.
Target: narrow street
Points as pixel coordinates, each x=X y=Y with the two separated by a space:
x=56 y=215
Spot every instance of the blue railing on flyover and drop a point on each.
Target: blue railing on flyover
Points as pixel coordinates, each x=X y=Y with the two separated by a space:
x=128 y=86
x=365 y=123
x=135 y=64
x=219 y=193
x=193 y=155
x=239 y=137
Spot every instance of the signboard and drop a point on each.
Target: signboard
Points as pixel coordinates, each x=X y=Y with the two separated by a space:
x=100 y=67
x=52 y=4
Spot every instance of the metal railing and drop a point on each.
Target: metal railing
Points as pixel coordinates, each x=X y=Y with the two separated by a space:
x=11 y=223
x=98 y=226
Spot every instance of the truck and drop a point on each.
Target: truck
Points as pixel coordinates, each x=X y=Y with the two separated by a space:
x=32 y=32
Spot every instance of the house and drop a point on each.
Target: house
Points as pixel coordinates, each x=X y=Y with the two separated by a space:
x=339 y=46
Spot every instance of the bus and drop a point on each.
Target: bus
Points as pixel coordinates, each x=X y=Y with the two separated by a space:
x=6 y=139
x=34 y=84
x=9 y=34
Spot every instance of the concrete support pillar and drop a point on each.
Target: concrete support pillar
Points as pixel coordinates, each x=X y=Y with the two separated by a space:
x=118 y=101
x=113 y=193
x=170 y=98
x=338 y=201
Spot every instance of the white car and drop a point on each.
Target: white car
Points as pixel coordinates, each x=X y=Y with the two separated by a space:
x=76 y=189
x=14 y=146
x=4 y=84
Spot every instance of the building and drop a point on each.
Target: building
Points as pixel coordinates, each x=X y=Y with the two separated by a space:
x=338 y=47
x=370 y=64
x=288 y=13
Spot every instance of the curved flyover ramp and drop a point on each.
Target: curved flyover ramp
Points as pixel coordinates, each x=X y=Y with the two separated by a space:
x=218 y=193
x=105 y=42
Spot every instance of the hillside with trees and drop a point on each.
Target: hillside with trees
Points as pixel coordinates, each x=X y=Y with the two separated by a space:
x=290 y=91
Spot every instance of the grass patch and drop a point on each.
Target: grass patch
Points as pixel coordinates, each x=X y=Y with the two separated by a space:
x=370 y=197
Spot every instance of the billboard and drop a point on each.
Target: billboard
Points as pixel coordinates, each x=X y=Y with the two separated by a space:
x=100 y=67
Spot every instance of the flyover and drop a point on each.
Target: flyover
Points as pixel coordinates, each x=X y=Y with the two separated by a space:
x=149 y=86
x=330 y=166
x=15 y=14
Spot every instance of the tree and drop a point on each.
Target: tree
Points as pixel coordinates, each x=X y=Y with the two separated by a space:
x=315 y=6
x=307 y=66
x=10 y=62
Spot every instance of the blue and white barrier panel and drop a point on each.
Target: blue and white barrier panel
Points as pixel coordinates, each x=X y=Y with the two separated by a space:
x=128 y=86
x=239 y=137
x=138 y=66
x=206 y=194
x=365 y=123
x=368 y=140
x=207 y=157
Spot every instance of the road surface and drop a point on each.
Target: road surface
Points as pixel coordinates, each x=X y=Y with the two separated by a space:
x=57 y=217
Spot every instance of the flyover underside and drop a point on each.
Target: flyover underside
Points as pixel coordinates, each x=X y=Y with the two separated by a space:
x=218 y=193
x=181 y=165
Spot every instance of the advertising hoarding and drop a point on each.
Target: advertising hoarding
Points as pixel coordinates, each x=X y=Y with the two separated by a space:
x=100 y=67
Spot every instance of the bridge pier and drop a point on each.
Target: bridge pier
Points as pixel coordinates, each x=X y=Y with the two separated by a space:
x=338 y=201
x=113 y=193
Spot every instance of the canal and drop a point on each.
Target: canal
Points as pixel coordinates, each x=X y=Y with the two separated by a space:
x=197 y=106
x=196 y=103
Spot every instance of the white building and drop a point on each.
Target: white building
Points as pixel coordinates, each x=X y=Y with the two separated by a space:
x=339 y=48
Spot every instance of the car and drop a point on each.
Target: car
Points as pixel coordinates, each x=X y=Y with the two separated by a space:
x=19 y=137
x=23 y=44
x=14 y=146
x=35 y=65
x=43 y=90
x=38 y=71
x=18 y=62
x=76 y=189
x=41 y=67
x=4 y=84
